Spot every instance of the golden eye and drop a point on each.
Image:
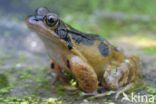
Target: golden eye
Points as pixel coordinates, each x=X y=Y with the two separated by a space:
x=51 y=20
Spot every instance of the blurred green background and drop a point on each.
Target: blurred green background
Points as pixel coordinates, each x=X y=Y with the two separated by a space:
x=24 y=63
x=116 y=15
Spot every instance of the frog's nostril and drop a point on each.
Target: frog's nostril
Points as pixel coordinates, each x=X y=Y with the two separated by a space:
x=36 y=19
x=30 y=19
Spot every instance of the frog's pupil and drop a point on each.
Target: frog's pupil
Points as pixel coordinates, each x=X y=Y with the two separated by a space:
x=51 y=20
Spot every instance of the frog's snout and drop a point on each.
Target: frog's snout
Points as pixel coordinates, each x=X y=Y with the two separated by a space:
x=30 y=20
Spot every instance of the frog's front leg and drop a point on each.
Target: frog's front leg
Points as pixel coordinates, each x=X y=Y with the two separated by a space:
x=84 y=74
x=59 y=73
x=56 y=69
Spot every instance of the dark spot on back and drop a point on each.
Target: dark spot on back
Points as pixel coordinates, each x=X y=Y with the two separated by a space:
x=104 y=49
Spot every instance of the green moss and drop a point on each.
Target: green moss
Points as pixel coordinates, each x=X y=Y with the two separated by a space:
x=52 y=101
x=151 y=90
x=150 y=50
x=29 y=100
x=3 y=81
x=137 y=86
x=4 y=91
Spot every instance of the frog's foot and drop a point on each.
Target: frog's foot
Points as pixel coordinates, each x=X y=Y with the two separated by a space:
x=70 y=88
x=100 y=95
x=122 y=90
x=99 y=91
x=118 y=76
x=89 y=94
x=96 y=95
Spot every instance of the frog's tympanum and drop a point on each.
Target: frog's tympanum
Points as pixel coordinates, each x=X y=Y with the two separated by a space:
x=90 y=58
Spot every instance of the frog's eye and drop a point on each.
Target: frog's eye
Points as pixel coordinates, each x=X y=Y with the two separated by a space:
x=51 y=20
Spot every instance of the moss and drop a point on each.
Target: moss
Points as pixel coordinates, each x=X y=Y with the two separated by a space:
x=29 y=100
x=3 y=81
x=5 y=91
x=150 y=50
x=151 y=90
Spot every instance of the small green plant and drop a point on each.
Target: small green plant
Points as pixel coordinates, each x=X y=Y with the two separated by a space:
x=151 y=90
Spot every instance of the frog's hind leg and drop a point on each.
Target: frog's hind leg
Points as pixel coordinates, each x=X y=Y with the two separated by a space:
x=130 y=70
x=121 y=76
x=84 y=74
x=133 y=64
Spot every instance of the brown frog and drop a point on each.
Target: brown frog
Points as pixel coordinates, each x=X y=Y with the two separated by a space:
x=90 y=58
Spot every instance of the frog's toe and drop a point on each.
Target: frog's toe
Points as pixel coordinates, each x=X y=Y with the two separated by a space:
x=100 y=95
x=122 y=90
x=84 y=94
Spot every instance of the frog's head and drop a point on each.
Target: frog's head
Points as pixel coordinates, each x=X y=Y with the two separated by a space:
x=48 y=25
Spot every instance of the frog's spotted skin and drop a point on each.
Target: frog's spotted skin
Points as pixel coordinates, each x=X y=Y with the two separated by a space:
x=88 y=57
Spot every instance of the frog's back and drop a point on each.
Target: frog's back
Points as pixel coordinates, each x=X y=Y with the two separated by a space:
x=90 y=43
x=84 y=38
x=94 y=48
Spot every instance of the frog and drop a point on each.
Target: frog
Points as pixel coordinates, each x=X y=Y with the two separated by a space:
x=90 y=58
